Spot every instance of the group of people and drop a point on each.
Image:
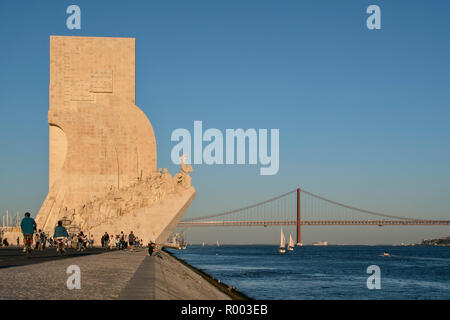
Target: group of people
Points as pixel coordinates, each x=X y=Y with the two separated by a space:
x=41 y=239
x=79 y=241
x=121 y=241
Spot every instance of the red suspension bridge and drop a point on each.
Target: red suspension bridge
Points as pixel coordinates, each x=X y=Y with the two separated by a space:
x=302 y=208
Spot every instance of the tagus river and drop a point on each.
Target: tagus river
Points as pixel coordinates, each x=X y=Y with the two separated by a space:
x=331 y=272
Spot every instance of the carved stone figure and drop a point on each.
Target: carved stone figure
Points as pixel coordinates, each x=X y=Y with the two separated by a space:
x=183 y=178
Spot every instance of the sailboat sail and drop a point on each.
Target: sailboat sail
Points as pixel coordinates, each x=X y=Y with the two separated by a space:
x=282 y=240
x=291 y=242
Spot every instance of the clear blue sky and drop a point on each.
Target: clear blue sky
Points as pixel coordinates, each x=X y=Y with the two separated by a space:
x=363 y=115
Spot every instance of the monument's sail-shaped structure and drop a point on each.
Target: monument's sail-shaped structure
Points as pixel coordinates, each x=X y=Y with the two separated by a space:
x=103 y=174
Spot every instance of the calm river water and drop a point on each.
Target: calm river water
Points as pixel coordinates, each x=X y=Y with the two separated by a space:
x=329 y=272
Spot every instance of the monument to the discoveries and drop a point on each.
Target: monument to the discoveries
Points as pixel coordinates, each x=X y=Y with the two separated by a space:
x=103 y=174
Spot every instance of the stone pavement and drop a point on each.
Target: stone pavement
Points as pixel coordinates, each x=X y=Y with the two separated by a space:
x=103 y=276
x=112 y=275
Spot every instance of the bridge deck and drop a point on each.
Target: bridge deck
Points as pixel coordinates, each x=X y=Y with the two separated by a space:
x=265 y=223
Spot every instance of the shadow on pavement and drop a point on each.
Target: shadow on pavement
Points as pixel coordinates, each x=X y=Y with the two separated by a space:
x=13 y=256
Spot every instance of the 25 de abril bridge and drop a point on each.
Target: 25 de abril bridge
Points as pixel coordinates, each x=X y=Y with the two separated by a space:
x=303 y=208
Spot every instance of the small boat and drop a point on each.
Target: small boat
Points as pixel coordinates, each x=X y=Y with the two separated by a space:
x=291 y=243
x=320 y=243
x=299 y=244
x=386 y=254
x=282 y=248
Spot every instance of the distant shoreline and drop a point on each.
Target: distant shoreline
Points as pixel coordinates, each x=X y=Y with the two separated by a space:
x=443 y=242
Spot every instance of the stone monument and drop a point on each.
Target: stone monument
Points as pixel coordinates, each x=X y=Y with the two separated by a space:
x=103 y=174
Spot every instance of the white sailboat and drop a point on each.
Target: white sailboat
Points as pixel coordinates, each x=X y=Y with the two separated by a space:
x=217 y=243
x=291 y=243
x=203 y=244
x=282 y=248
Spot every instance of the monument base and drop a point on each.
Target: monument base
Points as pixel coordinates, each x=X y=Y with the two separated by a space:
x=153 y=223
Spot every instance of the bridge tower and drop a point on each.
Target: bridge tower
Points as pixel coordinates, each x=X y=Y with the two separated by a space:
x=299 y=235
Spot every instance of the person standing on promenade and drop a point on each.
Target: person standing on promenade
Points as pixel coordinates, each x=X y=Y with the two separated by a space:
x=137 y=242
x=122 y=240
x=37 y=240
x=111 y=241
x=28 y=226
x=131 y=239
x=117 y=240
x=105 y=240
x=82 y=242
x=42 y=239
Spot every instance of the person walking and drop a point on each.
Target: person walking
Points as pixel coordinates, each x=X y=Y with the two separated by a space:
x=81 y=245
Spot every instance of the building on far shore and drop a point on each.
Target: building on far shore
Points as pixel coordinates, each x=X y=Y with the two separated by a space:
x=436 y=242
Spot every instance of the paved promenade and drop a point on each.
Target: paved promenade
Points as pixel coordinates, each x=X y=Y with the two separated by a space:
x=13 y=256
x=111 y=275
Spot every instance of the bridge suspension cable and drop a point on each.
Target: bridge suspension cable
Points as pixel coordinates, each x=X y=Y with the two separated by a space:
x=342 y=205
x=357 y=209
x=240 y=209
